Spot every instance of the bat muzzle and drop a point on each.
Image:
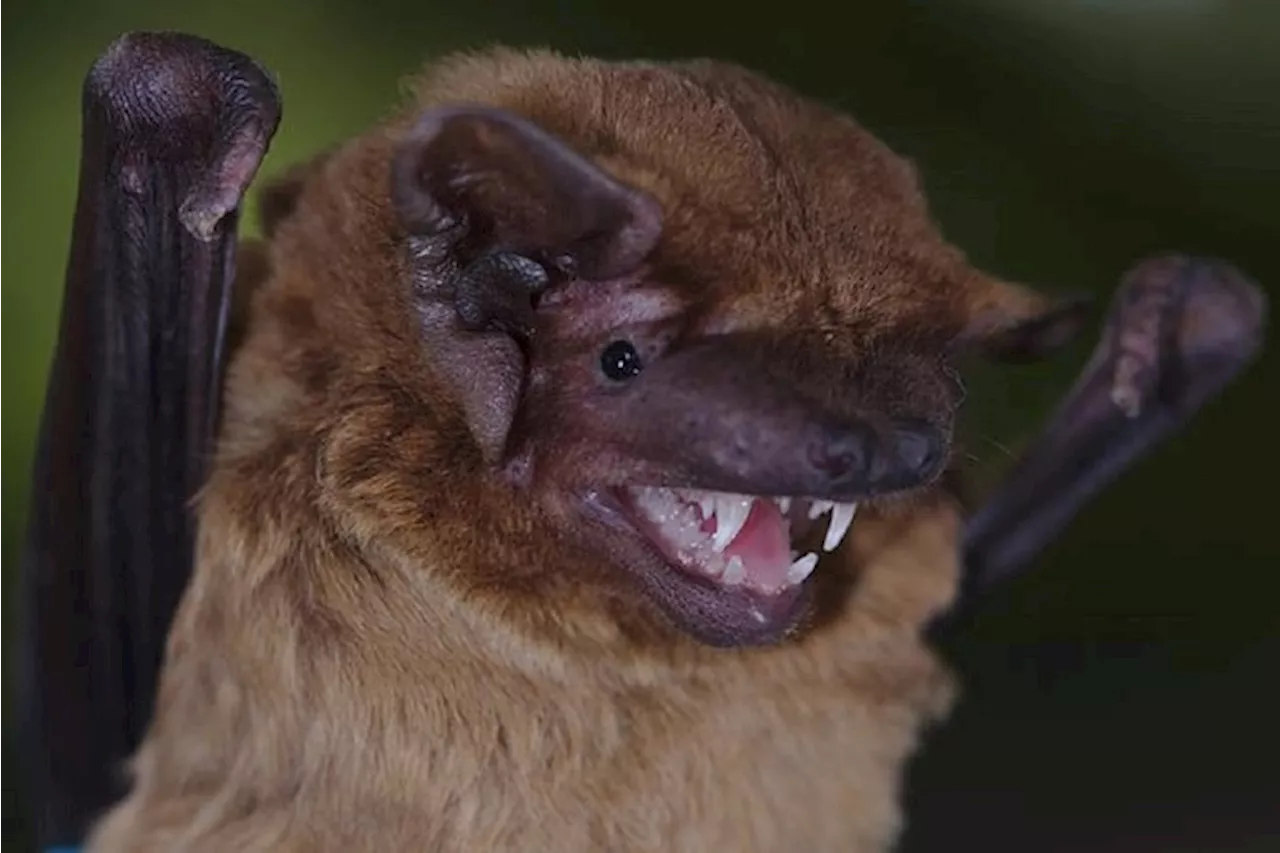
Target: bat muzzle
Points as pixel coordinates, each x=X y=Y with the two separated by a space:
x=720 y=416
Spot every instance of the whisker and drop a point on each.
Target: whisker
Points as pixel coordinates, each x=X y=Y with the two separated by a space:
x=998 y=446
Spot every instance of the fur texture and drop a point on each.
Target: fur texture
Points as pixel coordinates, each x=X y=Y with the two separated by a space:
x=383 y=648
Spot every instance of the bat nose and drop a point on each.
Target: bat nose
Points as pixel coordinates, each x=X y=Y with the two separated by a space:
x=844 y=454
x=859 y=459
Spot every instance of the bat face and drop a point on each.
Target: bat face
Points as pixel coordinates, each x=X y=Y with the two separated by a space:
x=717 y=468
x=691 y=322
x=714 y=456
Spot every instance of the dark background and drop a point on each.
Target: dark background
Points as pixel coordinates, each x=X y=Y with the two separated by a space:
x=1120 y=697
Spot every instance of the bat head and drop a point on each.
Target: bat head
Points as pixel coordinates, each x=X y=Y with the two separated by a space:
x=677 y=323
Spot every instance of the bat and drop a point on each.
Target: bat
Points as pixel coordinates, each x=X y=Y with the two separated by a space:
x=577 y=477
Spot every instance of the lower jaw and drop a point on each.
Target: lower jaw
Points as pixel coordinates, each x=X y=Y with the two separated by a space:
x=713 y=614
x=725 y=617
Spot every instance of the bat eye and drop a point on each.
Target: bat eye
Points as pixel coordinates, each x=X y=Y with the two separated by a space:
x=620 y=361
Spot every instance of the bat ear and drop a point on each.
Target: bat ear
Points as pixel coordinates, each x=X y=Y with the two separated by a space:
x=517 y=188
x=485 y=196
x=1012 y=323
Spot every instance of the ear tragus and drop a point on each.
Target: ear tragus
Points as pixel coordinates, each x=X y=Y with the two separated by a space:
x=518 y=188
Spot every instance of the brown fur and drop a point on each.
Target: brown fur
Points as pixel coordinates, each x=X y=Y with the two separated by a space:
x=379 y=651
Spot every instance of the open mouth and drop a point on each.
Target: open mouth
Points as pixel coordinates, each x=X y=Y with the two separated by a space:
x=734 y=561
x=738 y=540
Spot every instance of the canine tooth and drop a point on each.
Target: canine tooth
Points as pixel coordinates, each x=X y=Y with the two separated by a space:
x=731 y=514
x=784 y=504
x=802 y=568
x=817 y=508
x=841 y=518
x=707 y=503
x=735 y=571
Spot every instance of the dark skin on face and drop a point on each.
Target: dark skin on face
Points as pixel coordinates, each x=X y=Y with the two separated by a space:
x=593 y=361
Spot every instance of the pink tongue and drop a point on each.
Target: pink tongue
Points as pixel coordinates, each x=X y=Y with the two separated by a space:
x=764 y=546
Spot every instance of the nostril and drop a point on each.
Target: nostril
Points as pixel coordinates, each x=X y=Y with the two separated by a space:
x=842 y=453
x=863 y=459
x=919 y=448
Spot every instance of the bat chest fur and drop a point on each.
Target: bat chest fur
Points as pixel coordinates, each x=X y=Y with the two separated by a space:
x=280 y=728
x=789 y=750
x=765 y=766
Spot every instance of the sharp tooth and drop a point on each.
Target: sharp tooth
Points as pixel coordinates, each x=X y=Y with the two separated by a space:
x=707 y=503
x=731 y=514
x=801 y=568
x=841 y=518
x=735 y=571
x=817 y=508
x=784 y=504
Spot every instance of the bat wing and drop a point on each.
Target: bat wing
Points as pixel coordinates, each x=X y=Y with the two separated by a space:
x=1179 y=330
x=174 y=129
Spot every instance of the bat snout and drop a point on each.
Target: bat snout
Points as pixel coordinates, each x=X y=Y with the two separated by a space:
x=726 y=417
x=858 y=459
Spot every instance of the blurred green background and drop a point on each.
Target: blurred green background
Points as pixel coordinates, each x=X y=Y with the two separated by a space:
x=1122 y=696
